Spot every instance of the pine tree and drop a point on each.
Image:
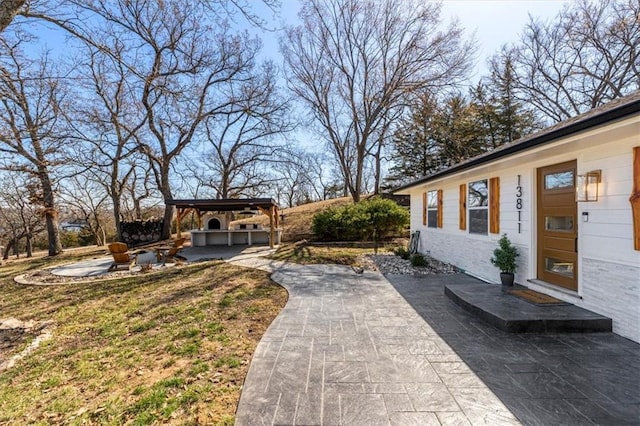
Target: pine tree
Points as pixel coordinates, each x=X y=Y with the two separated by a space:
x=510 y=118
x=414 y=149
x=436 y=135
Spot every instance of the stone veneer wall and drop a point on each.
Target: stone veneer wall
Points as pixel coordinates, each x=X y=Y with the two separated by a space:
x=613 y=290
x=470 y=254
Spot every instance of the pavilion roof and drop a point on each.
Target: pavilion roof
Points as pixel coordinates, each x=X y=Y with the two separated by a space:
x=225 y=204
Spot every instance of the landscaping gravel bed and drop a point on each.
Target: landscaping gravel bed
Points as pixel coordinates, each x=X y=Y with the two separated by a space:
x=389 y=263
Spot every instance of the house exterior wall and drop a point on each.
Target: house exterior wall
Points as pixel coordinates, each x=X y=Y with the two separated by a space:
x=608 y=266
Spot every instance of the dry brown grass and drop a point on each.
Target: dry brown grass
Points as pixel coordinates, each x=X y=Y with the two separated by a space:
x=172 y=348
x=298 y=220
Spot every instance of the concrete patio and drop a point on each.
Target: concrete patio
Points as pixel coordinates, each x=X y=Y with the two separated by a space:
x=348 y=349
x=353 y=349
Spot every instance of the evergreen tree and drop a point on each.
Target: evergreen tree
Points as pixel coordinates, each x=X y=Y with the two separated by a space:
x=440 y=133
x=436 y=135
x=511 y=118
x=459 y=131
x=413 y=146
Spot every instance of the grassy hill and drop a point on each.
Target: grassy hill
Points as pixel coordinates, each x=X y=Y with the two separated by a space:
x=296 y=221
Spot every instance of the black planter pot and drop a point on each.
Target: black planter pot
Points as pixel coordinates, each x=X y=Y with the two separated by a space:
x=507 y=278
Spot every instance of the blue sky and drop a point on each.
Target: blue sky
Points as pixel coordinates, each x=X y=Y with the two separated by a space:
x=494 y=22
x=497 y=22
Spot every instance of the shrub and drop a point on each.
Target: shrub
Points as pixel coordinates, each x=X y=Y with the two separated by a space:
x=371 y=219
x=326 y=224
x=418 y=260
x=402 y=252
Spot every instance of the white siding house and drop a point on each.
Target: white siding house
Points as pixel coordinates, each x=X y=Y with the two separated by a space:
x=584 y=252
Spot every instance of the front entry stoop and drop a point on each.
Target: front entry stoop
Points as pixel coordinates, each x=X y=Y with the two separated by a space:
x=515 y=315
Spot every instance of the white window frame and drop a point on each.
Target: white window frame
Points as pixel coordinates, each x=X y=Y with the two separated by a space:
x=432 y=206
x=481 y=207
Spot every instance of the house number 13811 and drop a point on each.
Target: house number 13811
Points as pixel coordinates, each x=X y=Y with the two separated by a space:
x=519 y=204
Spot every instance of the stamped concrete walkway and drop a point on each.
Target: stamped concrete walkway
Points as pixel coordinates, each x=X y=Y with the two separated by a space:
x=348 y=349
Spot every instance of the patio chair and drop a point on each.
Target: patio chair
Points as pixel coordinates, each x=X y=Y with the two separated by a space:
x=172 y=253
x=176 y=245
x=122 y=257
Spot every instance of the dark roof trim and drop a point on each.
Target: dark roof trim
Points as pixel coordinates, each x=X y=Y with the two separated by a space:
x=615 y=110
x=224 y=204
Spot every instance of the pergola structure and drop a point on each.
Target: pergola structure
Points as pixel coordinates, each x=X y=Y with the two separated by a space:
x=267 y=206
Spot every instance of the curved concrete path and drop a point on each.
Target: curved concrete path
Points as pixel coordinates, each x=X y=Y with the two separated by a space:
x=349 y=350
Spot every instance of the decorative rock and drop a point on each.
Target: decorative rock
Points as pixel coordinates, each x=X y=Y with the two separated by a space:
x=11 y=323
x=389 y=263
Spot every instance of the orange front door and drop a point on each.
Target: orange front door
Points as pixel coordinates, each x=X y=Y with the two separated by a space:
x=558 y=225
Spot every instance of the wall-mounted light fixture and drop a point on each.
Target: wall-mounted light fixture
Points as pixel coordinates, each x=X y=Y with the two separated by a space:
x=587 y=186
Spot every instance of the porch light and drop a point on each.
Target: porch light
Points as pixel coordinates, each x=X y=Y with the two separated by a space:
x=587 y=186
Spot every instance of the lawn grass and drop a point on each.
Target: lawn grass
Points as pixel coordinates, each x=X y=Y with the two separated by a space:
x=170 y=348
x=305 y=253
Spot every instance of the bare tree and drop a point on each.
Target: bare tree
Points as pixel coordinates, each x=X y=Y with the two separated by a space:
x=88 y=200
x=324 y=180
x=352 y=62
x=19 y=219
x=138 y=192
x=292 y=178
x=241 y=138
x=245 y=8
x=585 y=57
x=186 y=63
x=30 y=100
x=191 y=75
x=111 y=121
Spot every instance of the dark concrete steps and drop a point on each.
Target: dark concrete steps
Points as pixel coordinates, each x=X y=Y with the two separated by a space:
x=512 y=314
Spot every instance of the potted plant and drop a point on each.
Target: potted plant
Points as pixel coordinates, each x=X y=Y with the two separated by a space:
x=504 y=258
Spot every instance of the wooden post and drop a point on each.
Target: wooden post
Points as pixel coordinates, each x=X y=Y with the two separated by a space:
x=199 y=218
x=276 y=216
x=271 y=226
x=178 y=211
x=181 y=213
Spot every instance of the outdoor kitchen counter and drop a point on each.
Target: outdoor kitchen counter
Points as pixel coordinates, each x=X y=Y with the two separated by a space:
x=221 y=237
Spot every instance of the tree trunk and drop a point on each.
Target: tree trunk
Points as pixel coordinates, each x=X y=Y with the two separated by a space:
x=7 y=250
x=48 y=203
x=8 y=10
x=378 y=171
x=50 y=214
x=115 y=200
x=166 y=225
x=55 y=245
x=16 y=246
x=165 y=189
x=29 y=247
